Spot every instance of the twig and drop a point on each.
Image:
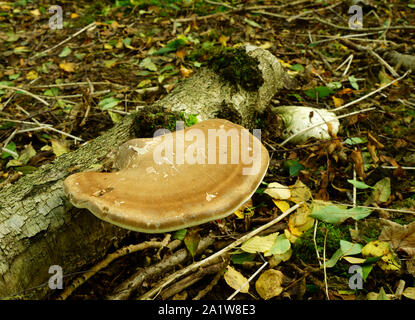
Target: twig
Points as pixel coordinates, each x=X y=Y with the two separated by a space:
x=104 y=263
x=247 y=281
x=324 y=266
x=321 y=123
x=89 y=26
x=26 y=93
x=193 y=278
x=392 y=167
x=129 y=286
x=313 y=11
x=370 y=93
x=69 y=84
x=377 y=208
x=373 y=53
x=77 y=95
x=358 y=30
x=209 y=287
x=198 y=264
x=14 y=154
x=315 y=242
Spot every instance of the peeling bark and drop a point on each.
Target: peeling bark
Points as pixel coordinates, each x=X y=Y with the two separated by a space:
x=38 y=226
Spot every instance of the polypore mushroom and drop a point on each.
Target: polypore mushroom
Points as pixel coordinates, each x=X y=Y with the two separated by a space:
x=178 y=180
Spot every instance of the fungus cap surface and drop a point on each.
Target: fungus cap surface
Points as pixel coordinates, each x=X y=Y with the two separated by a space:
x=175 y=181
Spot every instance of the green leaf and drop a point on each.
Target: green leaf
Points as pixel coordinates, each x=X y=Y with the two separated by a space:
x=65 y=52
x=355 y=140
x=297 y=67
x=252 y=23
x=346 y=249
x=336 y=214
x=179 y=234
x=12 y=147
x=148 y=64
x=242 y=257
x=382 y=295
x=126 y=42
x=7 y=83
x=295 y=95
x=191 y=241
x=320 y=92
x=79 y=56
x=359 y=184
x=280 y=246
x=333 y=260
x=350 y=248
x=381 y=192
x=171 y=46
x=7 y=125
x=108 y=103
x=14 y=76
x=334 y=85
x=52 y=92
x=293 y=167
x=353 y=82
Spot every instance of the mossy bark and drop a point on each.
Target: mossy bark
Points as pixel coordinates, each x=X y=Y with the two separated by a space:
x=38 y=226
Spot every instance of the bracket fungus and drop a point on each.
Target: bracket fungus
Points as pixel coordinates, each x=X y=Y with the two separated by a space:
x=176 y=180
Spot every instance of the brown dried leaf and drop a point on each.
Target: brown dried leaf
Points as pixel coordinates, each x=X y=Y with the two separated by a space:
x=401 y=238
x=269 y=283
x=358 y=162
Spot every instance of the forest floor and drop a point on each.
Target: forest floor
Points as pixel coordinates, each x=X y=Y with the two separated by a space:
x=62 y=87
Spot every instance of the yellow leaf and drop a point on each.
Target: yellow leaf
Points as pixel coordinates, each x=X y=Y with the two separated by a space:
x=409 y=293
x=292 y=238
x=337 y=101
x=143 y=83
x=59 y=147
x=35 y=12
x=239 y=214
x=389 y=260
x=185 y=72
x=32 y=75
x=110 y=63
x=299 y=192
x=278 y=191
x=67 y=66
x=300 y=221
x=74 y=15
x=282 y=205
x=107 y=46
x=235 y=279
x=269 y=283
x=266 y=45
x=259 y=244
x=354 y=260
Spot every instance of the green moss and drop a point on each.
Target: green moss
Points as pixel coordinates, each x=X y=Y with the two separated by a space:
x=304 y=246
x=150 y=120
x=237 y=67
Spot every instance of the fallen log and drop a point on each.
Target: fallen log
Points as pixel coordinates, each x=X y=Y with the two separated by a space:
x=38 y=226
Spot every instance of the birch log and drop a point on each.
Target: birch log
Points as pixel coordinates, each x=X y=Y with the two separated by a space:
x=38 y=226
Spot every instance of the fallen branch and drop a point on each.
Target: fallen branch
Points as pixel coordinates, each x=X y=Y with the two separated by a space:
x=206 y=261
x=104 y=263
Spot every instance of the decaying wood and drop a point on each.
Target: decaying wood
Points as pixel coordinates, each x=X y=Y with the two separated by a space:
x=38 y=226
